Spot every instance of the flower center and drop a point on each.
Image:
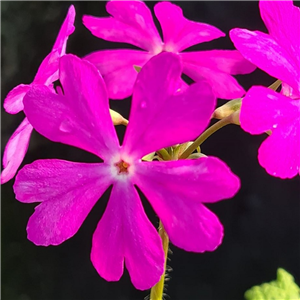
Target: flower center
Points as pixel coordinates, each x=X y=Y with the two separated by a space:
x=122 y=167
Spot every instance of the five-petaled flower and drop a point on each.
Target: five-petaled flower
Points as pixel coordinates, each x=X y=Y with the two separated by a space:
x=132 y=23
x=47 y=73
x=161 y=116
x=278 y=54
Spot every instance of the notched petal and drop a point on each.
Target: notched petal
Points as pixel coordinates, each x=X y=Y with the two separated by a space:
x=125 y=235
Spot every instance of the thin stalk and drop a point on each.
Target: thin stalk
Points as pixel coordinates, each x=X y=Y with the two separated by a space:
x=206 y=134
x=274 y=86
x=157 y=291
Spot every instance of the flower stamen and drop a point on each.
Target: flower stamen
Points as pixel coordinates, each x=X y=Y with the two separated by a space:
x=122 y=166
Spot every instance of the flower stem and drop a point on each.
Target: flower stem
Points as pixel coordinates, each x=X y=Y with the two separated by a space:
x=231 y=119
x=274 y=86
x=157 y=291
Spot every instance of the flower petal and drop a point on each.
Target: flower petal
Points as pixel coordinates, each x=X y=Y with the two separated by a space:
x=180 y=33
x=207 y=179
x=48 y=69
x=282 y=19
x=79 y=118
x=161 y=114
x=15 y=150
x=263 y=51
x=117 y=69
x=223 y=85
x=268 y=108
x=13 y=103
x=279 y=153
x=125 y=233
x=131 y=23
x=226 y=61
x=67 y=190
x=67 y=28
x=176 y=189
x=216 y=66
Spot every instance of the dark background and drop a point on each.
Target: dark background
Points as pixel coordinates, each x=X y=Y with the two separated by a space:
x=261 y=223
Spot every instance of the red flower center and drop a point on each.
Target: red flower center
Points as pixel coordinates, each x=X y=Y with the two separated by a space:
x=122 y=166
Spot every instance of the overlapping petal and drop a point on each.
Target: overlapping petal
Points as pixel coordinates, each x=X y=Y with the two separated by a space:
x=176 y=189
x=131 y=23
x=265 y=110
x=81 y=116
x=13 y=103
x=161 y=115
x=124 y=234
x=128 y=25
x=180 y=33
x=48 y=69
x=222 y=84
x=65 y=31
x=282 y=20
x=265 y=52
x=117 y=69
x=268 y=108
x=279 y=154
x=46 y=74
x=216 y=66
x=67 y=190
x=226 y=61
x=15 y=150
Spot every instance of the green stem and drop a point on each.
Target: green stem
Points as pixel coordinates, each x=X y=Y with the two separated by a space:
x=206 y=134
x=157 y=291
x=274 y=86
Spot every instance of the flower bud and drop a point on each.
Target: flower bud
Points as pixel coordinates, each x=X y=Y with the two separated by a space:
x=117 y=118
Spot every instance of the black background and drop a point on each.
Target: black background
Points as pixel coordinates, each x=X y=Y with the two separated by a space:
x=261 y=223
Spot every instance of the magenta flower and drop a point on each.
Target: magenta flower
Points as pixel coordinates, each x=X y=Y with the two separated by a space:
x=131 y=22
x=161 y=115
x=278 y=54
x=47 y=73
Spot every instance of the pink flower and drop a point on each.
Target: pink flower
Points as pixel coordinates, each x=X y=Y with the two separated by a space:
x=131 y=22
x=278 y=54
x=161 y=116
x=47 y=73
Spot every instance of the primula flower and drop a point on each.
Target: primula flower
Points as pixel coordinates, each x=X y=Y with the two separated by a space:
x=161 y=116
x=278 y=54
x=47 y=73
x=131 y=22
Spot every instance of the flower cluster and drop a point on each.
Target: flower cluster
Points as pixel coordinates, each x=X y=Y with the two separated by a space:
x=166 y=113
x=176 y=189
x=278 y=54
x=132 y=23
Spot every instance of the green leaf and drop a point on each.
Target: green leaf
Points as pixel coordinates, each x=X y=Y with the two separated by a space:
x=283 y=288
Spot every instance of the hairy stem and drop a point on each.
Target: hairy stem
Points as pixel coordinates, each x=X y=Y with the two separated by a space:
x=157 y=291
